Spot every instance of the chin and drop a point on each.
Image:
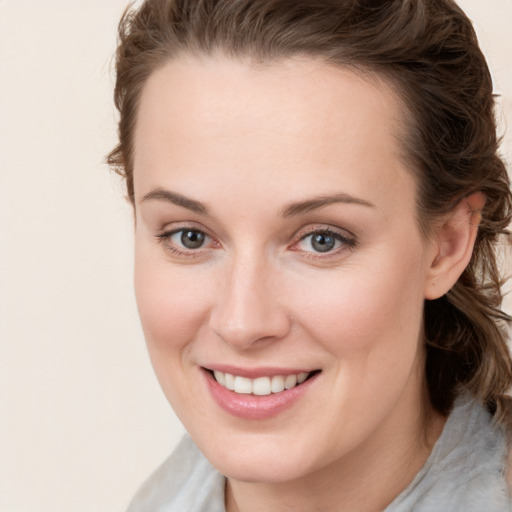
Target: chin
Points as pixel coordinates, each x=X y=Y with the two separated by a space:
x=248 y=462
x=260 y=471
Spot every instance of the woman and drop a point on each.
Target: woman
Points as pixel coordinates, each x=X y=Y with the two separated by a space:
x=318 y=198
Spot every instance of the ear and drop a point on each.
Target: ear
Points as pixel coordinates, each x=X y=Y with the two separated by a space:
x=452 y=245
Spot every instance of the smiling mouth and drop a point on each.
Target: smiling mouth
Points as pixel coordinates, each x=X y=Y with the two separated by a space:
x=261 y=386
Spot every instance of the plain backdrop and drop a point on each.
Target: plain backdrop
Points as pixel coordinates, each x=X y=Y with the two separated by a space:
x=82 y=419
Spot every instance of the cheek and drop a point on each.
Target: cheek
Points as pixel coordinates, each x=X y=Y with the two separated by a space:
x=172 y=302
x=368 y=309
x=173 y=308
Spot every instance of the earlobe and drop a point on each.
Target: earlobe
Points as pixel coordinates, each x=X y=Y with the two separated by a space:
x=453 y=245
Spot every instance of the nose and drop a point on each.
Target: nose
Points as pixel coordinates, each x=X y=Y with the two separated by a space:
x=249 y=309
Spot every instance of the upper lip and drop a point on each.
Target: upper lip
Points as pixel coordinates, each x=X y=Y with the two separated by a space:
x=254 y=373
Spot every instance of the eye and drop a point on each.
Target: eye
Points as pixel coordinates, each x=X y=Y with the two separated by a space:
x=324 y=241
x=320 y=242
x=186 y=241
x=189 y=238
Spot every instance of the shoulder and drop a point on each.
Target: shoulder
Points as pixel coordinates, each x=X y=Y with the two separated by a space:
x=185 y=481
x=483 y=469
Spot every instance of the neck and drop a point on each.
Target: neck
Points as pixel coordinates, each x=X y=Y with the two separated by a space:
x=367 y=479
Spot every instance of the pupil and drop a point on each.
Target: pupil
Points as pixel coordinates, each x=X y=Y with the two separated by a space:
x=323 y=243
x=192 y=239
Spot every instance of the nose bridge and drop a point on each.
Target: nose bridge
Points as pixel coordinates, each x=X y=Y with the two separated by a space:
x=248 y=309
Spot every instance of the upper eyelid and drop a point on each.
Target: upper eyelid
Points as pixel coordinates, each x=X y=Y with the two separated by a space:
x=323 y=228
x=167 y=232
x=168 y=229
x=172 y=231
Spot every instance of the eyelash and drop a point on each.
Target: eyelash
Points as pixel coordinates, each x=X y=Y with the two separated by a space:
x=345 y=243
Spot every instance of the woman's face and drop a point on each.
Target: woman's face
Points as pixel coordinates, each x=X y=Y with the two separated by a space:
x=276 y=240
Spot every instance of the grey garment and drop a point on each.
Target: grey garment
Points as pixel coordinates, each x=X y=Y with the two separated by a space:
x=185 y=482
x=464 y=473
x=466 y=469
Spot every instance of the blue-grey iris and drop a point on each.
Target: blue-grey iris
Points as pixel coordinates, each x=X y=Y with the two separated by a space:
x=323 y=242
x=192 y=239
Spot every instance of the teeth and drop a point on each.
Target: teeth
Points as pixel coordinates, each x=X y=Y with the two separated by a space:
x=229 y=381
x=219 y=376
x=302 y=377
x=243 y=385
x=290 y=381
x=277 y=384
x=260 y=386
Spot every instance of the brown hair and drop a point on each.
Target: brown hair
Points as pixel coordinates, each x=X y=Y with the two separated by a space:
x=428 y=51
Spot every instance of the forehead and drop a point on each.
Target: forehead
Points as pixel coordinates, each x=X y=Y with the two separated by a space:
x=298 y=118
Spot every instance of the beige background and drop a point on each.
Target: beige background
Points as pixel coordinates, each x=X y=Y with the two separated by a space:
x=82 y=420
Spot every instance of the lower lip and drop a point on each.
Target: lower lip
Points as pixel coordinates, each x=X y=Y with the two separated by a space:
x=252 y=407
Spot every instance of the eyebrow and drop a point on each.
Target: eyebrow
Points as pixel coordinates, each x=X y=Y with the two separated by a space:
x=297 y=208
x=160 y=194
x=321 y=201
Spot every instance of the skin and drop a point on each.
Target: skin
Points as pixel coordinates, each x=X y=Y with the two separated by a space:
x=246 y=141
